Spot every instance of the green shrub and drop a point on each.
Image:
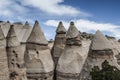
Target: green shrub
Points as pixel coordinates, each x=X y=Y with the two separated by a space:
x=107 y=72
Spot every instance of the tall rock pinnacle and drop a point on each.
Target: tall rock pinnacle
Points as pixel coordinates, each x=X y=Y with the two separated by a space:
x=38 y=59
x=59 y=43
x=70 y=61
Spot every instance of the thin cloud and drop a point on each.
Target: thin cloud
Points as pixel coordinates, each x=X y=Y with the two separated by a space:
x=89 y=26
x=54 y=7
x=10 y=8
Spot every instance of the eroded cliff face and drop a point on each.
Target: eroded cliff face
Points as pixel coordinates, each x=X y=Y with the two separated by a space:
x=28 y=51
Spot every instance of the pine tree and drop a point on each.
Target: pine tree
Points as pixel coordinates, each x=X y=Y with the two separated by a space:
x=107 y=72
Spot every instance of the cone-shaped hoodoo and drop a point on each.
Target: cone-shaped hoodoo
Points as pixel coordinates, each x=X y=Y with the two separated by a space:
x=38 y=59
x=71 y=61
x=100 y=51
x=59 y=42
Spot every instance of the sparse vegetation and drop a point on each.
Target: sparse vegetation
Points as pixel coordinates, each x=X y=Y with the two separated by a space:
x=107 y=72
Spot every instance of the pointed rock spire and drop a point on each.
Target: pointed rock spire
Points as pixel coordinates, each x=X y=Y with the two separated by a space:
x=72 y=31
x=41 y=61
x=59 y=42
x=61 y=28
x=12 y=39
x=26 y=25
x=100 y=42
x=71 y=60
x=37 y=36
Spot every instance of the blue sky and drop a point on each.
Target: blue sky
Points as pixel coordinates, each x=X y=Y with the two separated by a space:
x=88 y=15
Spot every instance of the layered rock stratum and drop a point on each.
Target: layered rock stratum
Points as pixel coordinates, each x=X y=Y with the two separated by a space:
x=25 y=53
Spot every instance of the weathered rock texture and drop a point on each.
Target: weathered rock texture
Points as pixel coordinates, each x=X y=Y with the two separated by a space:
x=17 y=70
x=100 y=50
x=59 y=42
x=24 y=49
x=71 y=60
x=38 y=59
x=4 y=72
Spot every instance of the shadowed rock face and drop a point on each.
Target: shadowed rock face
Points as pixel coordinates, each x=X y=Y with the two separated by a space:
x=15 y=57
x=38 y=59
x=71 y=61
x=59 y=42
x=100 y=50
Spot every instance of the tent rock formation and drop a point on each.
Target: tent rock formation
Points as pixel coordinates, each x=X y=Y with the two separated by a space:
x=27 y=55
x=38 y=59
